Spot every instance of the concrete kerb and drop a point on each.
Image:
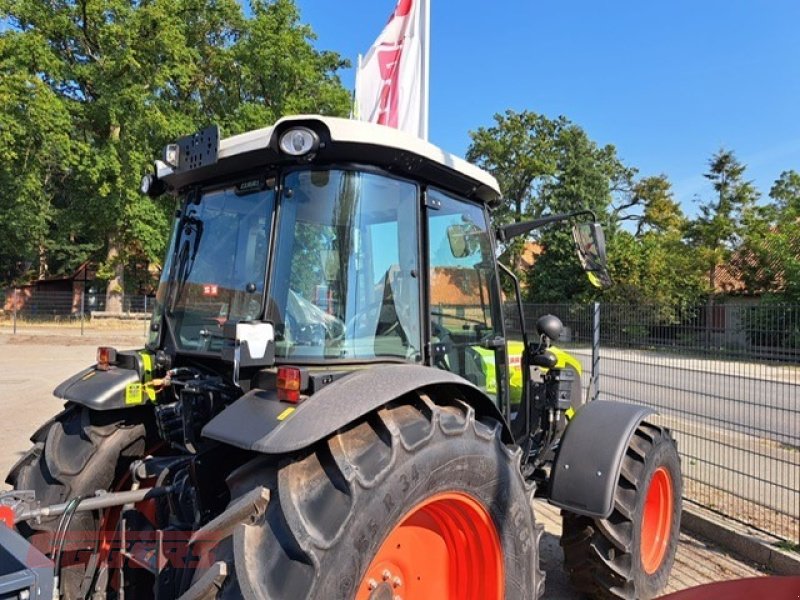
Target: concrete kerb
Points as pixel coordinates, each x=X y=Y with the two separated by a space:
x=739 y=540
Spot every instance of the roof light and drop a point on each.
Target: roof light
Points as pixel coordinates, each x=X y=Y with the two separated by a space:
x=299 y=141
x=172 y=155
x=289 y=383
x=106 y=356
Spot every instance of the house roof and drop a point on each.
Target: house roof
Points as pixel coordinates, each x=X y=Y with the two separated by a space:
x=746 y=273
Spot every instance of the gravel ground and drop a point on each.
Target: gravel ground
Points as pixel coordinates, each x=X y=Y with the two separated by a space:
x=34 y=362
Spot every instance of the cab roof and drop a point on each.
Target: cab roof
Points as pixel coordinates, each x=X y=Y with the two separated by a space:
x=341 y=141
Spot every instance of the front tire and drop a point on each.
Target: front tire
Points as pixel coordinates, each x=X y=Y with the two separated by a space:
x=630 y=554
x=416 y=500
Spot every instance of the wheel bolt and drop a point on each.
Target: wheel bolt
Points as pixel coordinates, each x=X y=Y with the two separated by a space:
x=387 y=575
x=397 y=582
x=372 y=584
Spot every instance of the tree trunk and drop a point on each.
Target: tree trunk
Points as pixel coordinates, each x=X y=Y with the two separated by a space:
x=43 y=268
x=116 y=285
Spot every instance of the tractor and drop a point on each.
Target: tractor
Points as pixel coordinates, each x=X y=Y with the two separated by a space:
x=329 y=405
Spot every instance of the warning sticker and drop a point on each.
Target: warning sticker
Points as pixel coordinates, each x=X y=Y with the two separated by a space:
x=134 y=393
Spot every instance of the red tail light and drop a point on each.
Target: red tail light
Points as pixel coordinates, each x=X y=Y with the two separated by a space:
x=106 y=356
x=289 y=384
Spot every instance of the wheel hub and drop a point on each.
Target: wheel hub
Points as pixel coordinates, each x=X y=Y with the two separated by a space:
x=446 y=547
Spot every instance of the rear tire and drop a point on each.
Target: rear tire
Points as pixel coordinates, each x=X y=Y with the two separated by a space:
x=630 y=554
x=76 y=453
x=334 y=509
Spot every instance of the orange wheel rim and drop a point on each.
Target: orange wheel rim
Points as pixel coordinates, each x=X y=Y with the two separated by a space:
x=445 y=547
x=657 y=520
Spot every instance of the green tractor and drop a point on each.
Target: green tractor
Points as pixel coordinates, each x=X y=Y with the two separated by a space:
x=329 y=407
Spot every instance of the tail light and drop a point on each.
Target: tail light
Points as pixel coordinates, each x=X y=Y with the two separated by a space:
x=106 y=356
x=290 y=382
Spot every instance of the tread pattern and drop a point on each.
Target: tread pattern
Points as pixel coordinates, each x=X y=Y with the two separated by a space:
x=76 y=453
x=599 y=554
x=318 y=534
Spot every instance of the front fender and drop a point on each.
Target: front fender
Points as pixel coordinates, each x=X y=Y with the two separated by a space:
x=258 y=422
x=589 y=459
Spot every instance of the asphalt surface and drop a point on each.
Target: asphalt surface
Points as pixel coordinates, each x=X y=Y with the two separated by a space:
x=32 y=363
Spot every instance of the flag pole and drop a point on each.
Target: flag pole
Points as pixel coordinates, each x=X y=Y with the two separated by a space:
x=426 y=63
x=354 y=106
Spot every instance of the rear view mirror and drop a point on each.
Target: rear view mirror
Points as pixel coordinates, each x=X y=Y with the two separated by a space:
x=463 y=240
x=591 y=245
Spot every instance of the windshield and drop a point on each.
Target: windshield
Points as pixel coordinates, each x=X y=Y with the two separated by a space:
x=216 y=267
x=345 y=281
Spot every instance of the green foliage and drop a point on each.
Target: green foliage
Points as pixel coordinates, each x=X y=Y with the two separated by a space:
x=719 y=228
x=770 y=255
x=90 y=91
x=547 y=166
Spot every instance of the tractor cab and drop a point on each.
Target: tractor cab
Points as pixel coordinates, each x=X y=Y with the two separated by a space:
x=357 y=243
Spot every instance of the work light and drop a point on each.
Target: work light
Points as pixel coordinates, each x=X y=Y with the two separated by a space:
x=172 y=155
x=299 y=141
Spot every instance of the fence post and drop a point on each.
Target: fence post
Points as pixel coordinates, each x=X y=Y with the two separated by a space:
x=83 y=306
x=16 y=292
x=595 y=382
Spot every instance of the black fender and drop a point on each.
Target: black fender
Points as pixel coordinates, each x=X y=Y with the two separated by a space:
x=109 y=390
x=586 y=469
x=258 y=422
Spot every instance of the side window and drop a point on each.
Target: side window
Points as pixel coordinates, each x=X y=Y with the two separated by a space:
x=461 y=280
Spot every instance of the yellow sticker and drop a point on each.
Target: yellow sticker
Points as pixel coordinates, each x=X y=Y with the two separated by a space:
x=147 y=364
x=134 y=393
x=285 y=413
x=569 y=413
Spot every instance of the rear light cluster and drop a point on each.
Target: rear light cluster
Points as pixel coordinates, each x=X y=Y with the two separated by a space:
x=290 y=382
x=106 y=356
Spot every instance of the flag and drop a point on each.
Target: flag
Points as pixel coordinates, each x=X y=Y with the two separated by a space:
x=392 y=79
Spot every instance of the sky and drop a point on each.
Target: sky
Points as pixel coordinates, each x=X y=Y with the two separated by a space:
x=668 y=83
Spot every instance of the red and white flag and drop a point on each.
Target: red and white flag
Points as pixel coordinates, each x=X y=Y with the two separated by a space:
x=392 y=79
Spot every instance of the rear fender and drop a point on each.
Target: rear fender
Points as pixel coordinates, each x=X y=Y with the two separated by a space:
x=116 y=388
x=258 y=421
x=586 y=469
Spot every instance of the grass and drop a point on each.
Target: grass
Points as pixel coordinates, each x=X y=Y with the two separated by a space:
x=788 y=546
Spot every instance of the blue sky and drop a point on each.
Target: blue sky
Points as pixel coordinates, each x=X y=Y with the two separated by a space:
x=668 y=83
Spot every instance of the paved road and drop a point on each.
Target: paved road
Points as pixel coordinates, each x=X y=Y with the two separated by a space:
x=755 y=399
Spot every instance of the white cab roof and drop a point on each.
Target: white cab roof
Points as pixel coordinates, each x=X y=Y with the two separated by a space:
x=346 y=130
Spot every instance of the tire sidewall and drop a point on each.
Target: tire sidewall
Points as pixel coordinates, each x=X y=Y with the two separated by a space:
x=466 y=465
x=663 y=454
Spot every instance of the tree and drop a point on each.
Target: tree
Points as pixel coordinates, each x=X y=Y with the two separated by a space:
x=718 y=229
x=587 y=176
x=520 y=151
x=127 y=77
x=660 y=212
x=770 y=255
x=548 y=166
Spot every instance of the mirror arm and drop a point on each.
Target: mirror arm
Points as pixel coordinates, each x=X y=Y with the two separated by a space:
x=518 y=295
x=513 y=230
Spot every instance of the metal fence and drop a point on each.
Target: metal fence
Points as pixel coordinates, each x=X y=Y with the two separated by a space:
x=27 y=309
x=725 y=379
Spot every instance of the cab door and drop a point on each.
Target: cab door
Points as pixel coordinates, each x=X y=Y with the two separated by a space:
x=463 y=297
